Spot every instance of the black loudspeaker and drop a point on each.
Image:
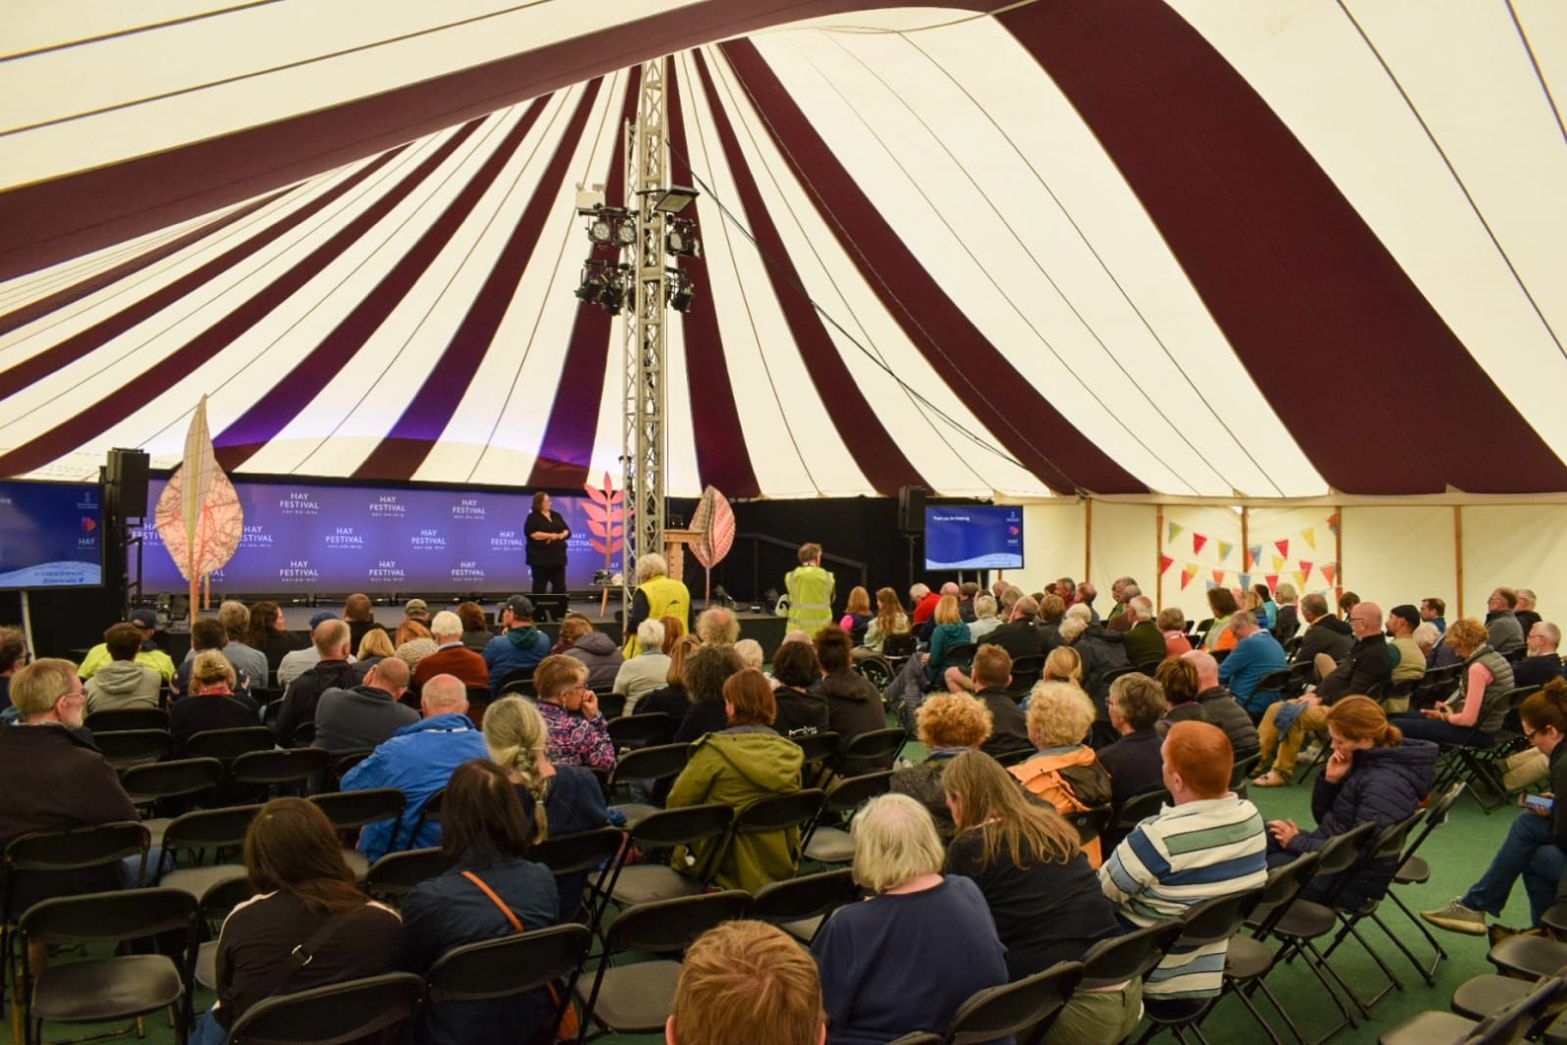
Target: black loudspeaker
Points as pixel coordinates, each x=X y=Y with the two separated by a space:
x=911 y=509
x=550 y=607
x=125 y=476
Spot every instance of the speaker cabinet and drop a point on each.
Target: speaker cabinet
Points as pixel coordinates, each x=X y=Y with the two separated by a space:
x=911 y=509
x=125 y=480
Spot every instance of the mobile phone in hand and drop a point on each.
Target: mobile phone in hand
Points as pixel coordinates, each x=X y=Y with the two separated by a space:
x=1540 y=802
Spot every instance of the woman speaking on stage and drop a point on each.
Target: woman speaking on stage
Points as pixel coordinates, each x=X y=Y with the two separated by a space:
x=547 y=533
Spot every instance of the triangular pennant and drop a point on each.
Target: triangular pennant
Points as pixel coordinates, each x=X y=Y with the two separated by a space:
x=1198 y=540
x=1309 y=535
x=1278 y=562
x=1164 y=563
x=1218 y=577
x=1246 y=581
x=1256 y=555
x=1305 y=567
x=1333 y=522
x=1211 y=585
x=1273 y=582
x=1174 y=530
x=1225 y=547
x=1283 y=547
x=1329 y=571
x=1187 y=573
x=1300 y=580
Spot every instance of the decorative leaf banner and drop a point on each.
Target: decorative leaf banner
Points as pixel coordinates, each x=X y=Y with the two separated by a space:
x=715 y=520
x=199 y=515
x=606 y=514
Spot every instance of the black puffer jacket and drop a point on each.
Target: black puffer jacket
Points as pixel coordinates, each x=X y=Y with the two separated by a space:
x=1383 y=785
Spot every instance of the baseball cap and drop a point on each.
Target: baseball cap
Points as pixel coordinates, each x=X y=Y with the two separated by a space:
x=520 y=606
x=1408 y=612
x=417 y=608
x=145 y=618
x=321 y=617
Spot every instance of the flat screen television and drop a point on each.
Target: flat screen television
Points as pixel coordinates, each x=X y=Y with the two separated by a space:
x=973 y=537
x=51 y=535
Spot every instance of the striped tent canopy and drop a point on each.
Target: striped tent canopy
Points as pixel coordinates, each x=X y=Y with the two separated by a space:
x=1271 y=248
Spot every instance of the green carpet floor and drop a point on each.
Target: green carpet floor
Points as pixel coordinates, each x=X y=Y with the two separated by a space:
x=1458 y=853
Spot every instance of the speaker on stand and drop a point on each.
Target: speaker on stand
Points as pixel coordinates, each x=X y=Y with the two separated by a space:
x=911 y=519
x=124 y=500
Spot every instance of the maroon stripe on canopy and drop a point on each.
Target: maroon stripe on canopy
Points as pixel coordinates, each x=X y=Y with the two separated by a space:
x=873 y=449
x=257 y=426
x=404 y=448
x=1004 y=401
x=1378 y=392
x=97 y=418
x=721 y=456
x=112 y=326
x=114 y=273
x=566 y=450
x=75 y=214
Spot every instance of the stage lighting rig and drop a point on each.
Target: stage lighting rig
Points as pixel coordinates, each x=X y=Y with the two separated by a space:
x=681 y=239
x=680 y=290
x=611 y=226
x=595 y=280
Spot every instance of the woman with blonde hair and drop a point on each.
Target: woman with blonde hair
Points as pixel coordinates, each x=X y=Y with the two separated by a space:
x=934 y=928
x=564 y=799
x=889 y=620
x=1066 y=772
x=1045 y=898
x=414 y=643
x=948 y=724
x=1062 y=664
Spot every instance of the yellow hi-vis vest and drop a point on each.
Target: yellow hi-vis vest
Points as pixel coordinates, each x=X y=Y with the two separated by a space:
x=810 y=598
x=666 y=597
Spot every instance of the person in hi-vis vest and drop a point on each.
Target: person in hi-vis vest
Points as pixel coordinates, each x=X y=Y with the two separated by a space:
x=810 y=592
x=658 y=595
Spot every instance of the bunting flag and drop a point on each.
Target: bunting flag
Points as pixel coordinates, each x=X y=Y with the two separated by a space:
x=1273 y=582
x=1309 y=535
x=1165 y=562
x=1210 y=585
x=1283 y=547
x=1278 y=564
x=1329 y=571
x=1300 y=580
x=1256 y=555
x=1225 y=547
x=1333 y=522
x=1173 y=530
x=1246 y=581
x=1218 y=577
x=1305 y=567
x=1187 y=573
x=1198 y=540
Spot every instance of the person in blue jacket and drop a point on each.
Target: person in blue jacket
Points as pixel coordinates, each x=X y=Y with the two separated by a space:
x=1374 y=774
x=489 y=890
x=1255 y=654
x=418 y=760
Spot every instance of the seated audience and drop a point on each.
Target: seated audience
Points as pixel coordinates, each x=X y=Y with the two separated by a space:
x=476 y=632
x=1102 y=651
x=205 y=634
x=1042 y=893
x=935 y=929
x=718 y=627
x=985 y=620
x=519 y=647
x=853 y=702
x=640 y=675
x=1191 y=686
x=1536 y=845
x=1438 y=653
x=417 y=761
x=704 y=673
x=1222 y=604
x=1325 y=633
x=300 y=661
x=1543 y=663
x=450 y=656
x=800 y=711
x=750 y=653
x=268 y=632
x=332 y=670
x=857 y=614
x=375 y=647
x=1256 y=654
x=1021 y=635
x=489 y=890
x=1207 y=843
x=1374 y=774
x=1066 y=772
x=309 y=924
x=1287 y=622
x=149 y=656
x=1172 y=622
x=414 y=643
x=1134 y=763
x=1008 y=722
x=122 y=684
x=250 y=663
x=746 y=981
x=1524 y=610
x=1409 y=660
x=565 y=799
x=948 y=724
x=579 y=733
x=1267 y=608
x=950 y=631
x=212 y=703
x=366 y=715
x=1347 y=601
x=737 y=766
x=359 y=612
x=1477 y=712
x=672 y=699
x=13 y=658
x=53 y=778
x=594 y=648
x=1505 y=633
x=1145 y=643
x=889 y=620
x=1433 y=610
x=658 y=595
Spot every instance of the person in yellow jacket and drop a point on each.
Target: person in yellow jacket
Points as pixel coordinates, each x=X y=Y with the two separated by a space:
x=658 y=595
x=810 y=592
x=149 y=656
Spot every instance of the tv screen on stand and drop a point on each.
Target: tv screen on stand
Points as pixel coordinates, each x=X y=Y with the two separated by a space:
x=51 y=535
x=973 y=537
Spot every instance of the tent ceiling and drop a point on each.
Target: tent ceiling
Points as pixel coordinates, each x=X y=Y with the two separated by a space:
x=1126 y=248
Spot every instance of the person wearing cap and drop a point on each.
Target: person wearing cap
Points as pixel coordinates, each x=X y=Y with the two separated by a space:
x=1408 y=660
x=300 y=661
x=547 y=534
x=419 y=610
x=149 y=656
x=520 y=645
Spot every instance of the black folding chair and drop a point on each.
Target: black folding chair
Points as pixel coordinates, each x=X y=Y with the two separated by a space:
x=510 y=966
x=645 y=882
x=519 y=682
x=1139 y=808
x=343 y=1012
x=1025 y=1008
x=99 y=990
x=831 y=844
x=868 y=752
x=660 y=762
x=1131 y=956
x=197 y=832
x=961 y=655
x=125 y=748
x=799 y=906
x=1388 y=844
x=352 y=811
x=1027 y=670
x=226 y=745
x=817 y=747
x=215 y=905
x=777 y=814
x=1526 y=1017
x=1090 y=823
x=1242 y=771
x=1212 y=921
x=1414 y=870
x=636 y=998
x=1248 y=960
x=1276 y=682
x=429 y=813
x=397 y=874
x=638 y=731
x=183 y=778
x=612 y=705
x=583 y=852
x=285 y=769
x=123 y=719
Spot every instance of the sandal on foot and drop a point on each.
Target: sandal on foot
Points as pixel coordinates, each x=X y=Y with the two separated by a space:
x=1272 y=778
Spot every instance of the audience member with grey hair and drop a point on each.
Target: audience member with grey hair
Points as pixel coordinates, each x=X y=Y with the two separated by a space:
x=1287 y=619
x=1256 y=654
x=451 y=657
x=648 y=670
x=332 y=670
x=1543 y=663
x=1144 y=642
x=985 y=620
x=1325 y=633
x=1527 y=616
x=718 y=627
x=658 y=595
x=898 y=859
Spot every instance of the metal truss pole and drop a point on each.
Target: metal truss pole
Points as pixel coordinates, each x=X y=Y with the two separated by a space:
x=643 y=334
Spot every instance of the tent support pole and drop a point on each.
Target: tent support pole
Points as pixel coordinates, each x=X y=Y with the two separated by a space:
x=1158 y=557
x=1246 y=562
x=1338 y=551
x=1458 y=553
x=1088 y=538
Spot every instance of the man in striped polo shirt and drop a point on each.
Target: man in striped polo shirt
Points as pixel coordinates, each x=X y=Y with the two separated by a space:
x=1209 y=843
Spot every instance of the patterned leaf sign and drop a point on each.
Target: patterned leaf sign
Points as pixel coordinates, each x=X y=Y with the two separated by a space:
x=199 y=515
x=715 y=520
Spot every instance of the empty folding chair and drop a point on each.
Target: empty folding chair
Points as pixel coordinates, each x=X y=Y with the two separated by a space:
x=125 y=748
x=354 y=810
x=645 y=730
x=287 y=771
x=1480 y=996
x=343 y=1012
x=573 y=859
x=226 y=745
x=656 y=763
x=1414 y=870
x=198 y=831
x=870 y=752
x=1511 y=1023
x=127 y=719
x=1025 y=1008
x=828 y=843
x=799 y=906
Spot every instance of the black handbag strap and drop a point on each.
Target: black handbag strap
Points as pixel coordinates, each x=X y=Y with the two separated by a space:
x=305 y=953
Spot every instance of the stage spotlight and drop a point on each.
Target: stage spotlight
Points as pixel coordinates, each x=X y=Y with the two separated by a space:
x=681 y=239
x=612 y=226
x=616 y=291
x=674 y=199
x=593 y=283
x=680 y=290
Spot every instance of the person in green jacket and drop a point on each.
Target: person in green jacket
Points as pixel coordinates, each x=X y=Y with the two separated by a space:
x=738 y=766
x=810 y=592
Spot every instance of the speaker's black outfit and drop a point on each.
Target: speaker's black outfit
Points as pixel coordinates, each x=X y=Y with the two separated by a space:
x=547 y=559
